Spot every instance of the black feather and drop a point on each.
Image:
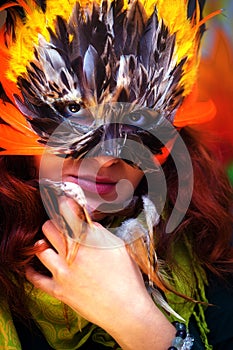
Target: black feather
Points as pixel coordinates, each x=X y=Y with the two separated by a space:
x=42 y=4
x=119 y=26
x=135 y=25
x=60 y=40
x=147 y=49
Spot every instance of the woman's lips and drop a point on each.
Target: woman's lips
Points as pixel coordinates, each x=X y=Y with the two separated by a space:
x=98 y=185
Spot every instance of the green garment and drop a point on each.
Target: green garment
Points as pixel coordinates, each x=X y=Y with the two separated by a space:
x=8 y=337
x=49 y=315
x=61 y=326
x=191 y=282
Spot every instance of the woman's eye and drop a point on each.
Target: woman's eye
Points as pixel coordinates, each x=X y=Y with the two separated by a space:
x=136 y=119
x=142 y=118
x=71 y=109
x=139 y=119
x=76 y=114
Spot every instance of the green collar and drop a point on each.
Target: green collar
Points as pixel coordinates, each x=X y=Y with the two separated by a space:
x=191 y=281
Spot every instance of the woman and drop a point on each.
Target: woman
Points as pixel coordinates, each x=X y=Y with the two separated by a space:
x=111 y=104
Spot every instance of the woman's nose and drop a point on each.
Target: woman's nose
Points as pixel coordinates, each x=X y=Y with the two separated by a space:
x=106 y=162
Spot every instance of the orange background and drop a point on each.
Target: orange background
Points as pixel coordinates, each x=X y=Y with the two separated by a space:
x=216 y=78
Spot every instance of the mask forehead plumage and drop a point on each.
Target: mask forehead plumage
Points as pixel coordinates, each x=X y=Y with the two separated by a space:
x=70 y=56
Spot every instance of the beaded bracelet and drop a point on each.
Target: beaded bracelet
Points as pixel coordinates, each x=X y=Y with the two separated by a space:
x=183 y=340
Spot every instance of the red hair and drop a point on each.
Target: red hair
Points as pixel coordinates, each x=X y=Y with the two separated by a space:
x=208 y=221
x=21 y=215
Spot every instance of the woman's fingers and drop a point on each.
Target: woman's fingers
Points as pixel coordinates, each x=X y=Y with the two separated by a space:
x=94 y=235
x=55 y=237
x=39 y=281
x=74 y=217
x=51 y=259
x=73 y=226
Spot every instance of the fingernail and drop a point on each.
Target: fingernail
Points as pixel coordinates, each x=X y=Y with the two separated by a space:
x=41 y=245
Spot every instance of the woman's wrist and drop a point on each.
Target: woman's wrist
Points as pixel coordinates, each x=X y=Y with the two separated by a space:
x=142 y=326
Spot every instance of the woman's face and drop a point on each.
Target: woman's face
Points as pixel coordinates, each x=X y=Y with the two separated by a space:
x=108 y=183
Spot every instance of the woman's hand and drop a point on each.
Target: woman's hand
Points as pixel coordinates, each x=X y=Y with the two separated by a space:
x=103 y=285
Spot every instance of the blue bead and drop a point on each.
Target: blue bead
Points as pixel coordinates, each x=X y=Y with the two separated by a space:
x=188 y=342
x=172 y=348
x=181 y=333
x=175 y=324
x=177 y=342
x=179 y=325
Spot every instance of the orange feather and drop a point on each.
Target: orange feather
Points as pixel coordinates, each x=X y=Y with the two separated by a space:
x=10 y=87
x=16 y=143
x=12 y=116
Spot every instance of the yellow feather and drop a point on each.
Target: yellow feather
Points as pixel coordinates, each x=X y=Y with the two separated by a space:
x=37 y=22
x=174 y=16
x=187 y=38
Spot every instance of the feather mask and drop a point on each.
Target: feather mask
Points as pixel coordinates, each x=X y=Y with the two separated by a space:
x=61 y=59
x=89 y=78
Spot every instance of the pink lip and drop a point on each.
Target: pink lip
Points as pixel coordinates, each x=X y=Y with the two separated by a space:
x=100 y=185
